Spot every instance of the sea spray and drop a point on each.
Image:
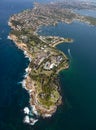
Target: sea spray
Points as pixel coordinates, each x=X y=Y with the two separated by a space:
x=26 y=110
x=9 y=38
x=29 y=117
x=26 y=120
x=23 y=83
x=34 y=110
x=30 y=121
x=27 y=56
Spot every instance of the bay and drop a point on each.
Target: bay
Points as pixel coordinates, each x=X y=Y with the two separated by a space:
x=86 y=12
x=78 y=83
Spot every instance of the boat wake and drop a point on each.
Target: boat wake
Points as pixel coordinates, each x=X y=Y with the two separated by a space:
x=69 y=52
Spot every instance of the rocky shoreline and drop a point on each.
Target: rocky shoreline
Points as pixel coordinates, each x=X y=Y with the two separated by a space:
x=29 y=85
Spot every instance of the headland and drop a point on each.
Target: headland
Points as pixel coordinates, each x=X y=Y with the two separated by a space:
x=46 y=61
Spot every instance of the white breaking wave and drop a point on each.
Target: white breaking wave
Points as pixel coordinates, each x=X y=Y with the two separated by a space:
x=23 y=83
x=26 y=72
x=30 y=59
x=30 y=121
x=34 y=110
x=9 y=38
x=27 y=119
x=26 y=56
x=27 y=69
x=33 y=121
x=26 y=110
x=47 y=115
x=25 y=76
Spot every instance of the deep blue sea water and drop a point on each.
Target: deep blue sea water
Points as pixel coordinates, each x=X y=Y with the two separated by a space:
x=78 y=83
x=87 y=12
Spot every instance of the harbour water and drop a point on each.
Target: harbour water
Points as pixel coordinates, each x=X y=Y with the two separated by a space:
x=78 y=83
x=86 y=12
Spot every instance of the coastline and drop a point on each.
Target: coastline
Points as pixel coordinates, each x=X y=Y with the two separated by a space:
x=68 y=42
x=27 y=70
x=31 y=90
x=30 y=84
x=67 y=81
x=22 y=32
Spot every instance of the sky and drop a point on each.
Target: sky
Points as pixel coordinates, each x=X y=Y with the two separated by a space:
x=45 y=1
x=49 y=0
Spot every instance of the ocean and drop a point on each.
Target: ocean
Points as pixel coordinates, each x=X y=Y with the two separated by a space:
x=78 y=83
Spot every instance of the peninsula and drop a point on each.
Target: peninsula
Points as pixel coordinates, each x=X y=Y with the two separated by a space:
x=46 y=61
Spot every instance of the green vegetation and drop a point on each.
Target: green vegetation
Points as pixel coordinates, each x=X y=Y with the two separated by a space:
x=16 y=33
x=15 y=23
x=46 y=60
x=91 y=20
